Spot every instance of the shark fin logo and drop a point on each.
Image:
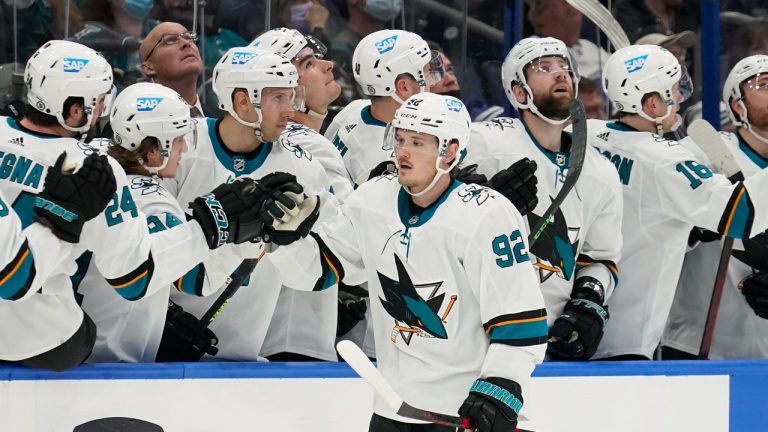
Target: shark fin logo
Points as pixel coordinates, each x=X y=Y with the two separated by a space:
x=74 y=64
x=145 y=104
x=636 y=63
x=555 y=252
x=386 y=45
x=412 y=313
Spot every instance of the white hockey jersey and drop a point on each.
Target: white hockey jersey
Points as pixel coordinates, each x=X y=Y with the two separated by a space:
x=322 y=150
x=453 y=294
x=666 y=192
x=131 y=331
x=739 y=333
x=306 y=319
x=359 y=137
x=585 y=237
x=119 y=240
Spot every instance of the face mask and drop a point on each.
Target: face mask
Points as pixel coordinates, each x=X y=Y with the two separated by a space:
x=383 y=10
x=138 y=9
x=299 y=17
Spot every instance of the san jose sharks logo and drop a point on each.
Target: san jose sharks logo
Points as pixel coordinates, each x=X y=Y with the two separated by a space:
x=556 y=249
x=146 y=185
x=412 y=313
x=477 y=193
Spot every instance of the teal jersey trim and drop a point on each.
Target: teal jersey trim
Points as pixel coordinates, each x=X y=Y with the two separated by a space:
x=621 y=127
x=368 y=118
x=16 y=278
x=562 y=159
x=192 y=282
x=238 y=163
x=742 y=216
x=411 y=218
x=751 y=153
x=15 y=125
x=520 y=331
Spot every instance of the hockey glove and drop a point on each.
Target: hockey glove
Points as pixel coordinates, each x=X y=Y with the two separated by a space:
x=576 y=333
x=67 y=201
x=352 y=308
x=518 y=184
x=297 y=227
x=493 y=405
x=469 y=174
x=755 y=290
x=184 y=337
x=701 y=235
x=386 y=167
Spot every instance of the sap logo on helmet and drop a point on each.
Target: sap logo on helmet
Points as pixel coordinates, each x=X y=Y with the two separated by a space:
x=454 y=105
x=74 y=64
x=240 y=58
x=147 y=103
x=386 y=45
x=636 y=63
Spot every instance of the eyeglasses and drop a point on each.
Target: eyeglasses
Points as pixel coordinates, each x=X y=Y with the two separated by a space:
x=172 y=39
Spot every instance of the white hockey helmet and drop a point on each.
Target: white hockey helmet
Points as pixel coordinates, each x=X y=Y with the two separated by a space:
x=637 y=70
x=61 y=69
x=288 y=43
x=528 y=52
x=749 y=67
x=150 y=110
x=253 y=69
x=383 y=55
x=444 y=117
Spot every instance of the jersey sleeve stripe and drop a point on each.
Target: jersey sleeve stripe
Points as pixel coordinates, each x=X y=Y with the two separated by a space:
x=736 y=221
x=16 y=278
x=133 y=286
x=520 y=329
x=192 y=282
x=585 y=260
x=332 y=271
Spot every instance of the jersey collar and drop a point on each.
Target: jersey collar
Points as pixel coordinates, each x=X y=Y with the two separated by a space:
x=560 y=158
x=751 y=153
x=368 y=118
x=620 y=126
x=16 y=125
x=412 y=216
x=238 y=163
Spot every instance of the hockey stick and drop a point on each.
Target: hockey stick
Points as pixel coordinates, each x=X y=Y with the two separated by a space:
x=234 y=283
x=360 y=363
x=709 y=140
x=578 y=151
x=604 y=20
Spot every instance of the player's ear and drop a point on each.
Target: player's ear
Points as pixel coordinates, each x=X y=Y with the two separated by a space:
x=738 y=108
x=240 y=100
x=451 y=153
x=519 y=93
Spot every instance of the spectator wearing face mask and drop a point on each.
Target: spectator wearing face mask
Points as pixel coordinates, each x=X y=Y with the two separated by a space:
x=310 y=17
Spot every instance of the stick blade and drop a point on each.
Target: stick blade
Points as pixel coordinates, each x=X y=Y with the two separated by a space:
x=604 y=20
x=709 y=140
x=358 y=361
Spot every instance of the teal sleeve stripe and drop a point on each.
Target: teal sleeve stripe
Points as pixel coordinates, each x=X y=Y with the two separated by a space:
x=133 y=286
x=192 y=282
x=523 y=330
x=742 y=218
x=16 y=278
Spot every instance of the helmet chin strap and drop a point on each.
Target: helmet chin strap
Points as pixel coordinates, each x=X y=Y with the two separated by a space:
x=256 y=126
x=440 y=172
x=657 y=120
x=748 y=126
x=530 y=106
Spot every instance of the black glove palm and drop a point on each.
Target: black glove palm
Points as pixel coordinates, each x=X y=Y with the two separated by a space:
x=576 y=333
x=493 y=405
x=352 y=308
x=755 y=290
x=67 y=201
x=518 y=184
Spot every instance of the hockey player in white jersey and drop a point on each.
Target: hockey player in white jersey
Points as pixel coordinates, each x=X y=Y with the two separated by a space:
x=389 y=66
x=576 y=257
x=31 y=256
x=258 y=91
x=666 y=193
x=440 y=258
x=742 y=323
x=149 y=123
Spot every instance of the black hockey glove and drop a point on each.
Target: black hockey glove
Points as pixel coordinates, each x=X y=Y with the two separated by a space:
x=469 y=174
x=701 y=235
x=755 y=290
x=386 y=167
x=493 y=405
x=184 y=337
x=298 y=225
x=576 y=333
x=518 y=184
x=352 y=308
x=67 y=201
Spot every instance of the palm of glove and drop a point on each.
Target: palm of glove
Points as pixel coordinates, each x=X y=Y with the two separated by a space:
x=518 y=184
x=67 y=201
x=755 y=289
x=576 y=333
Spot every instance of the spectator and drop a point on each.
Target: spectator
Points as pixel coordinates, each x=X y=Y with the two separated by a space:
x=558 y=19
x=678 y=44
x=639 y=18
x=593 y=99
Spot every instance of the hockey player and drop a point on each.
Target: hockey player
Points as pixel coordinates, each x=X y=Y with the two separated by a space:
x=742 y=323
x=576 y=257
x=389 y=66
x=666 y=193
x=259 y=93
x=149 y=123
x=31 y=256
x=439 y=257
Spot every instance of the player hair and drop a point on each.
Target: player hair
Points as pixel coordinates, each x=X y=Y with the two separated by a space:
x=131 y=161
x=43 y=119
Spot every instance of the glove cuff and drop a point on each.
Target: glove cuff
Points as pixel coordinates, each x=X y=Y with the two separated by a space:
x=503 y=391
